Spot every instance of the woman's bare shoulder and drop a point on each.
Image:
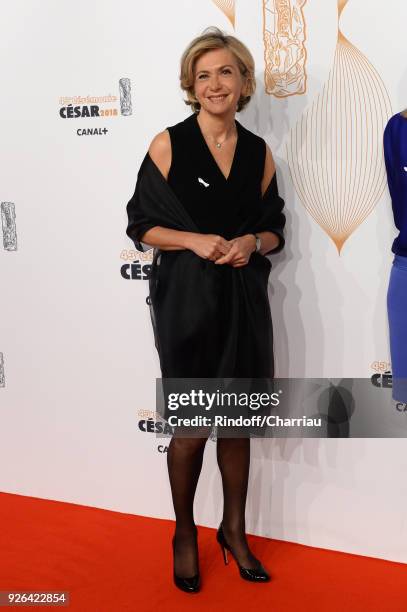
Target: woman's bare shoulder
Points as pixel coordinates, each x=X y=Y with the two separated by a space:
x=269 y=169
x=160 y=152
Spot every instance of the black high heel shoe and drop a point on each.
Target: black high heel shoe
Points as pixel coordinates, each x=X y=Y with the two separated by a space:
x=189 y=585
x=258 y=574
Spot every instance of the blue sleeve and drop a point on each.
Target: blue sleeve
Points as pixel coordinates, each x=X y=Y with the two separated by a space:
x=389 y=155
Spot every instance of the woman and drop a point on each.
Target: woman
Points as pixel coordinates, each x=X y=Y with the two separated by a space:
x=395 y=153
x=206 y=198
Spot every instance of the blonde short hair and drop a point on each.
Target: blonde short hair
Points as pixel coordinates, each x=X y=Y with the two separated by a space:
x=213 y=38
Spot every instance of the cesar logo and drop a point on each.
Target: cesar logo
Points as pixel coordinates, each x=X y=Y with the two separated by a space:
x=202 y=182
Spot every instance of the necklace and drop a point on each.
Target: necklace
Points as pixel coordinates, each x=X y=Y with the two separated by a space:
x=219 y=144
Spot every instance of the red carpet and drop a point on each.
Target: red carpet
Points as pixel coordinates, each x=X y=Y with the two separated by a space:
x=115 y=562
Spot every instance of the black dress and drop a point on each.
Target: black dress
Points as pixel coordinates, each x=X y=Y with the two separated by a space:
x=209 y=320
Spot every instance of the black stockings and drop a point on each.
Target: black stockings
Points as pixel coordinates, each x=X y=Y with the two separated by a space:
x=233 y=456
x=184 y=460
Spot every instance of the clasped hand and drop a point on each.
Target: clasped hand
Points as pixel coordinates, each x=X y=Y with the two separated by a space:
x=235 y=252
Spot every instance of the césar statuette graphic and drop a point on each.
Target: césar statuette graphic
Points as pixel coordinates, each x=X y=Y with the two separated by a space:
x=284 y=47
x=125 y=97
x=2 y=377
x=8 y=222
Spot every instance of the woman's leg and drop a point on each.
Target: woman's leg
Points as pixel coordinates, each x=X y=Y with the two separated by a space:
x=184 y=460
x=397 y=307
x=233 y=456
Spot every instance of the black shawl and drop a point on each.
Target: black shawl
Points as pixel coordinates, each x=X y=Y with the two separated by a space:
x=209 y=320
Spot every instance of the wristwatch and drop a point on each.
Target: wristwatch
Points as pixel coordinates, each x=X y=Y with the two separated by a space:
x=258 y=242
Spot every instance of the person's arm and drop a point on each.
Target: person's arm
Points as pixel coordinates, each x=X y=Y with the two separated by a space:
x=207 y=246
x=162 y=237
x=388 y=145
x=269 y=240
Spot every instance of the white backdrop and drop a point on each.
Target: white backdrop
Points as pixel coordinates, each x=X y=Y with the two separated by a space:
x=79 y=360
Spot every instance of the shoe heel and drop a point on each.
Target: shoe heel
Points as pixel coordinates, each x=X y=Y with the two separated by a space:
x=221 y=539
x=258 y=574
x=225 y=554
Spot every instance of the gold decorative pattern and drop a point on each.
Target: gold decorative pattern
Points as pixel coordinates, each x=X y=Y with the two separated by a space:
x=228 y=8
x=284 y=49
x=335 y=149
